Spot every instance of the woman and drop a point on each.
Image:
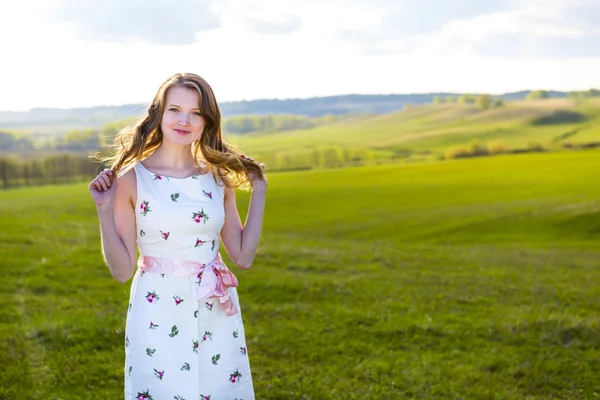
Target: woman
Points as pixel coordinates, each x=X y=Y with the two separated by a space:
x=174 y=196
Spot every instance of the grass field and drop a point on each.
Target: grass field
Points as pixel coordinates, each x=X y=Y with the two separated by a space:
x=469 y=279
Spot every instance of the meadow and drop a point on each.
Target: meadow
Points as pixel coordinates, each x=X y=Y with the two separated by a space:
x=463 y=279
x=427 y=132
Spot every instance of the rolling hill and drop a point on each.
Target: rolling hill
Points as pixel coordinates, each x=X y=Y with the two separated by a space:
x=431 y=129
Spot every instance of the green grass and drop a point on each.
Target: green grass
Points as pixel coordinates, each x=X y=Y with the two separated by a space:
x=470 y=279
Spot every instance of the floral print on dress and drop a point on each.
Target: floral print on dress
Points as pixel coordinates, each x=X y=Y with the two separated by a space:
x=165 y=235
x=178 y=300
x=150 y=351
x=174 y=331
x=216 y=358
x=174 y=196
x=152 y=297
x=203 y=397
x=153 y=326
x=208 y=306
x=158 y=177
x=185 y=367
x=235 y=377
x=145 y=207
x=243 y=350
x=196 y=345
x=142 y=233
x=199 y=242
x=144 y=395
x=207 y=335
x=235 y=334
x=207 y=194
x=200 y=216
x=178 y=397
x=127 y=341
x=159 y=374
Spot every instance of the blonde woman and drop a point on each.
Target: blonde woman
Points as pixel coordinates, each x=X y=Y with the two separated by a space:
x=170 y=194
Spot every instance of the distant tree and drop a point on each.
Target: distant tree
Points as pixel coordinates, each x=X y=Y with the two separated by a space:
x=585 y=94
x=11 y=141
x=88 y=139
x=537 y=94
x=7 y=141
x=466 y=99
x=535 y=146
x=439 y=100
x=8 y=170
x=484 y=101
x=456 y=152
x=333 y=157
x=477 y=148
x=497 y=147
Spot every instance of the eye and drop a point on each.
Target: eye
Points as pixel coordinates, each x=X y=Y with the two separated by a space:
x=197 y=113
x=173 y=109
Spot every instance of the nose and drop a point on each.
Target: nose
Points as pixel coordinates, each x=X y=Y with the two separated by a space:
x=183 y=119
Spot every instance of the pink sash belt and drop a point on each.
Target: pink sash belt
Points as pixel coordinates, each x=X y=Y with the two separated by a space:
x=214 y=279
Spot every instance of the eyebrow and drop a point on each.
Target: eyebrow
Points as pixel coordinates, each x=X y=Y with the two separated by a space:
x=175 y=105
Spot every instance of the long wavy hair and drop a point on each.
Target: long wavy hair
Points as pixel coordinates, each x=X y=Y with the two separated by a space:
x=137 y=141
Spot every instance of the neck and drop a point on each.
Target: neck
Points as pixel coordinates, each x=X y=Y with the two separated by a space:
x=177 y=157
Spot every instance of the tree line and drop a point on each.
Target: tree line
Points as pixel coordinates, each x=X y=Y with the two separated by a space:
x=275 y=123
x=52 y=169
x=482 y=101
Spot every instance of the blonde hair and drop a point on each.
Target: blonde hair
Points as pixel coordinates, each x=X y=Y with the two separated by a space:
x=136 y=142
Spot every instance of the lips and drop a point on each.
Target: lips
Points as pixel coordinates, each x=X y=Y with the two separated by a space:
x=181 y=131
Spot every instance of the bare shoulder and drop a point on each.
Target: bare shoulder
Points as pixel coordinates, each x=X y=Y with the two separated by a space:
x=126 y=185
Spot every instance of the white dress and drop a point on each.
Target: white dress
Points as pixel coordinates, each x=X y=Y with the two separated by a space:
x=184 y=337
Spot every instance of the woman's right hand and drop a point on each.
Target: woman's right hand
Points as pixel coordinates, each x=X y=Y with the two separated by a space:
x=102 y=190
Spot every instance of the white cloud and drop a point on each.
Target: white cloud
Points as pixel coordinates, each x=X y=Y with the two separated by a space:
x=510 y=28
x=154 y=21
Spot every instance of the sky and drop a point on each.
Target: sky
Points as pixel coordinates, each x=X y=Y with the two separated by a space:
x=84 y=53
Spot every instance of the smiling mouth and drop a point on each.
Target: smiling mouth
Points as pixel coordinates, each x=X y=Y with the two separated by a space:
x=181 y=131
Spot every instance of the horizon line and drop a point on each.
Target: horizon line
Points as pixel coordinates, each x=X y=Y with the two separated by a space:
x=292 y=99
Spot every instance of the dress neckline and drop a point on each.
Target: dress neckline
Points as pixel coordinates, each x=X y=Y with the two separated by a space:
x=195 y=176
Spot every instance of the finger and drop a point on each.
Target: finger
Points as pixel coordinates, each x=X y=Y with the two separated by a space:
x=101 y=180
x=95 y=185
x=109 y=175
x=105 y=179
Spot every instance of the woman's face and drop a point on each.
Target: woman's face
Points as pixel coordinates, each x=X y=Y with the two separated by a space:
x=181 y=122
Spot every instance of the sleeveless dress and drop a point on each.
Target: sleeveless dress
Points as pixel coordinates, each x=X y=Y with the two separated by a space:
x=184 y=336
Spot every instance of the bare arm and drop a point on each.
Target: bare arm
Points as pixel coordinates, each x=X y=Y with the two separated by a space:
x=114 y=205
x=241 y=241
